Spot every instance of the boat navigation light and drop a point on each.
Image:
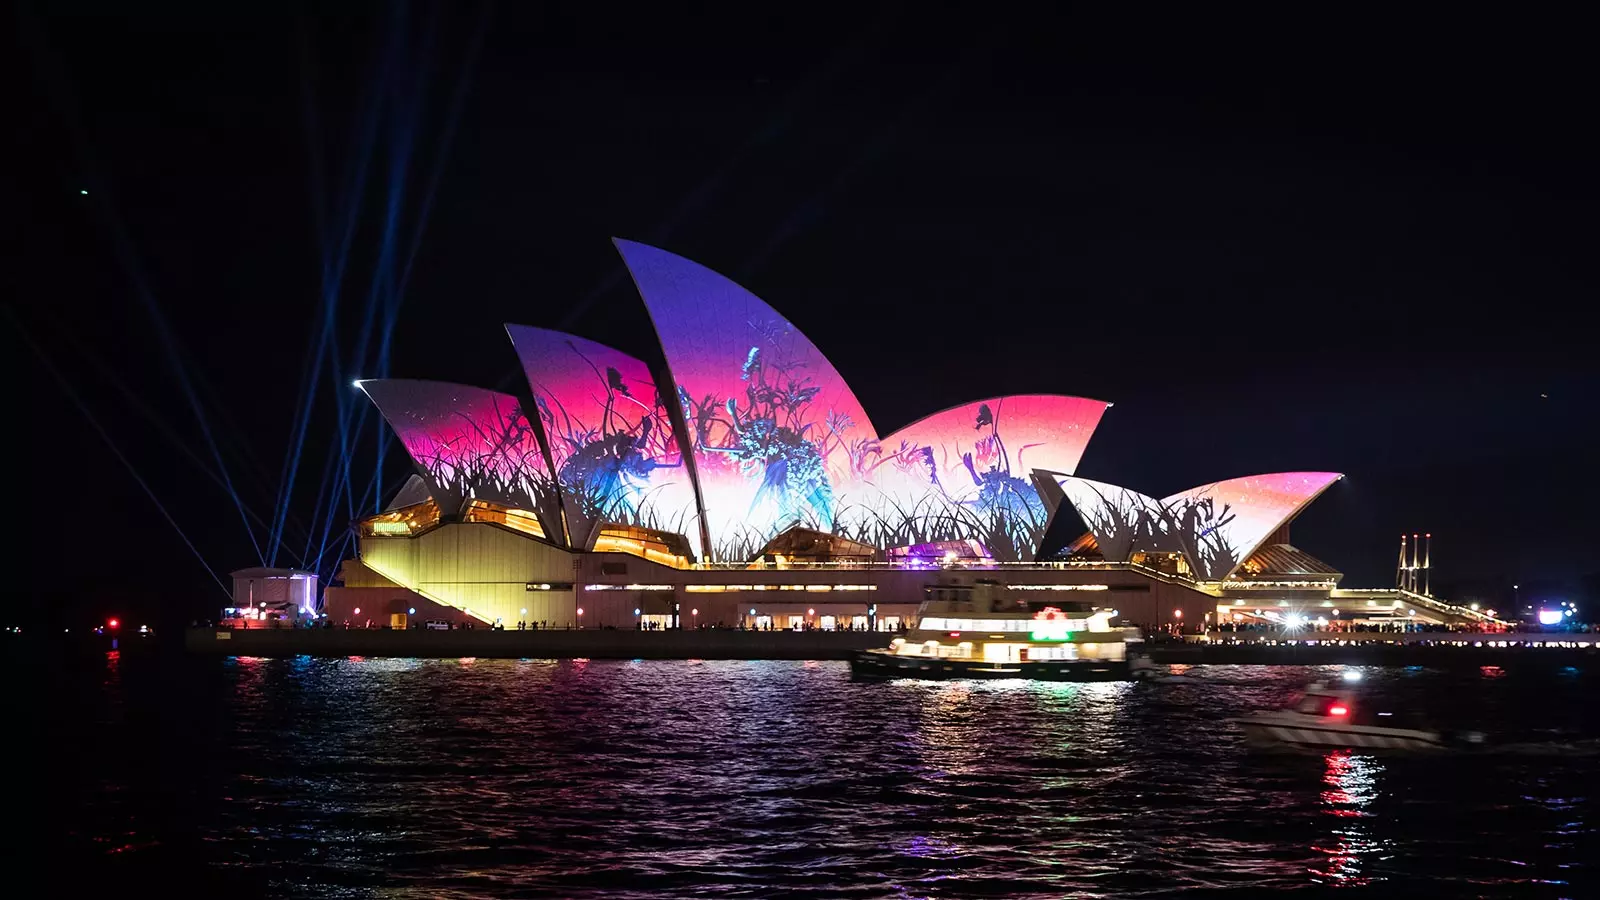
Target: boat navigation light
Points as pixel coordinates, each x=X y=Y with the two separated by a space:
x=1337 y=710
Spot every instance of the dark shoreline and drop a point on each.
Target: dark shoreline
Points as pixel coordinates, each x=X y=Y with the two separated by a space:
x=817 y=645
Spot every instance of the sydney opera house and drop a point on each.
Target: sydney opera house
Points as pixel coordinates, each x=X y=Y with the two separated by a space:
x=736 y=480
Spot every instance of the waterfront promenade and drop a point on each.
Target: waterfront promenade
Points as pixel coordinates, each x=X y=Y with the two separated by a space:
x=588 y=643
x=1367 y=649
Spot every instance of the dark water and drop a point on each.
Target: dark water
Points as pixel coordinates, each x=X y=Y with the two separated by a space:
x=407 y=778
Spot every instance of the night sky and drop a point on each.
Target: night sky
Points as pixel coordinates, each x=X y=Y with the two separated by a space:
x=1332 y=241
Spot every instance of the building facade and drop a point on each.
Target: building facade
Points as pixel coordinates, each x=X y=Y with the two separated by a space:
x=738 y=482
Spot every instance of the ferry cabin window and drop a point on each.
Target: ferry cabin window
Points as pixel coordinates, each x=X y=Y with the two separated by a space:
x=1061 y=651
x=941 y=623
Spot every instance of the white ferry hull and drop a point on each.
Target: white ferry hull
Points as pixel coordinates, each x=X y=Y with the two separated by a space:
x=886 y=664
x=1276 y=732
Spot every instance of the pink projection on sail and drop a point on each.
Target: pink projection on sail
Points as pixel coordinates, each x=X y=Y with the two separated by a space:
x=778 y=438
x=469 y=443
x=1217 y=526
x=610 y=436
x=966 y=472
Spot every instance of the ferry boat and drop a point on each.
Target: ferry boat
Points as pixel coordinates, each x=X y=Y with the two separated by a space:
x=1325 y=718
x=984 y=631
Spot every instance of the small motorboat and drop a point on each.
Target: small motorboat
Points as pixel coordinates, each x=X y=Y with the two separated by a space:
x=1325 y=718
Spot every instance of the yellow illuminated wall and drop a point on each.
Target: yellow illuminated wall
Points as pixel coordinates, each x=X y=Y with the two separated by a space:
x=481 y=569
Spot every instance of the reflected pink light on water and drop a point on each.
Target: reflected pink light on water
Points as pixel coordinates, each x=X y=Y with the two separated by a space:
x=1351 y=786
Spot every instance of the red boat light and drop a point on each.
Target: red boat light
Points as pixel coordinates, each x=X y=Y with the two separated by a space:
x=1337 y=710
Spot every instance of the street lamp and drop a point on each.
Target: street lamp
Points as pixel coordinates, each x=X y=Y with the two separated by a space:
x=580 y=617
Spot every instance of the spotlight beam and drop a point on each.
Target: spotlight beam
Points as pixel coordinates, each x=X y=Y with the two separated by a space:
x=66 y=388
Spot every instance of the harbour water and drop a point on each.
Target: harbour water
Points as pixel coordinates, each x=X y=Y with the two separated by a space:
x=506 y=778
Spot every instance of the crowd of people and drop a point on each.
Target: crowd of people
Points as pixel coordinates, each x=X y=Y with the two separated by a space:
x=1396 y=627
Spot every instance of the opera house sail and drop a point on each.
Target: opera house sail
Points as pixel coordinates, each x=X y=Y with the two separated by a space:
x=1216 y=526
x=778 y=437
x=965 y=473
x=616 y=456
x=470 y=444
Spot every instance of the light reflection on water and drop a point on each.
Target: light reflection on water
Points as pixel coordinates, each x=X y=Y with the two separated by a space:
x=1352 y=787
x=650 y=778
